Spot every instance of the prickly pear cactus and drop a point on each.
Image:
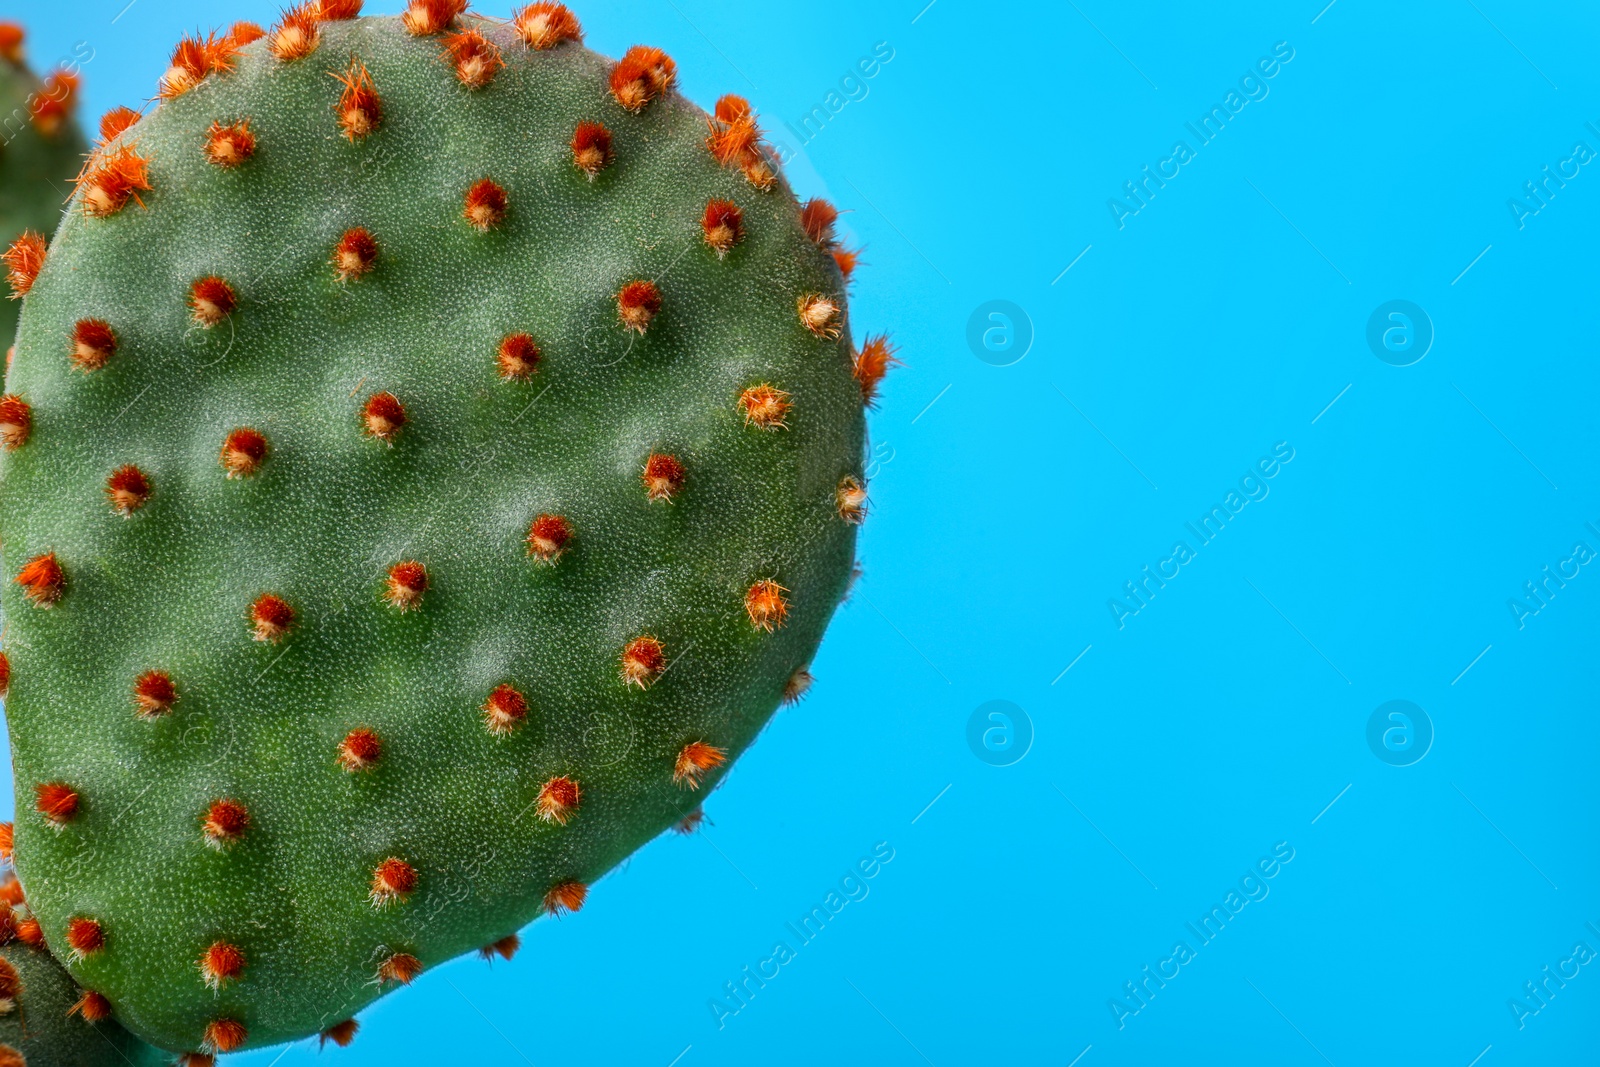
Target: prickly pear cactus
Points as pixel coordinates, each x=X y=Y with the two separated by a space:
x=41 y=148
x=46 y=1020
x=433 y=452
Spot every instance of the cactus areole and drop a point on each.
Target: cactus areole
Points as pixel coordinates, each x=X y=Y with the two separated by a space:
x=433 y=452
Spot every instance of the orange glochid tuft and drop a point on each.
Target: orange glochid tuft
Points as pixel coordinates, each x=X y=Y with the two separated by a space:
x=94 y=342
x=85 y=937
x=340 y=1034
x=663 y=476
x=225 y=822
x=765 y=604
x=871 y=364
x=643 y=661
x=56 y=801
x=211 y=300
x=338 y=10
x=360 y=750
x=401 y=967
x=548 y=537
x=690 y=822
x=735 y=140
x=518 y=357
x=817 y=219
x=591 y=148
x=558 y=800
x=127 y=489
x=16 y=422
x=485 y=205
x=11 y=891
x=7 y=830
x=476 y=58
x=224 y=1035
x=360 y=109
x=424 y=18
x=92 y=1007
x=195 y=59
x=243 y=33
x=55 y=101
x=42 y=580
x=110 y=179
x=221 y=963
x=297 y=34
x=798 y=684
x=383 y=416
x=271 y=617
x=694 y=761
x=638 y=303
x=819 y=314
x=355 y=254
x=116 y=122
x=12 y=36
x=847 y=260
x=24 y=260
x=154 y=694
x=10 y=981
x=505 y=948
x=393 y=881
x=231 y=145
x=545 y=25
x=29 y=932
x=732 y=108
x=723 y=225
x=565 y=897
x=408 y=580
x=850 y=500
x=243 y=452
x=504 y=711
x=765 y=406
x=642 y=75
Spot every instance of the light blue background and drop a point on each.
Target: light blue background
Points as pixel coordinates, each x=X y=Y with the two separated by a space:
x=1010 y=503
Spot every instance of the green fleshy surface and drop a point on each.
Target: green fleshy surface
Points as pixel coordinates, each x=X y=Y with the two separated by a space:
x=331 y=510
x=40 y=1028
x=35 y=173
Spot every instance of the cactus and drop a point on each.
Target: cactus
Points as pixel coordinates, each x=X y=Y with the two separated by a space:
x=45 y=1019
x=432 y=454
x=40 y=149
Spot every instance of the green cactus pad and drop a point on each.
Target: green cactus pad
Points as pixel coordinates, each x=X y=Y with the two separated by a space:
x=41 y=148
x=47 y=1021
x=385 y=563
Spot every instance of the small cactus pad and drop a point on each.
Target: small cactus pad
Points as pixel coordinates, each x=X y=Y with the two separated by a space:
x=434 y=452
x=46 y=1020
x=41 y=148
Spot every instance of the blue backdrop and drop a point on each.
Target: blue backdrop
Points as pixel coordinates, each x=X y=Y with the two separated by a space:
x=1245 y=452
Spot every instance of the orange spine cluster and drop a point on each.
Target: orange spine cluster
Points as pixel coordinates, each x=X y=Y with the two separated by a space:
x=24 y=260
x=642 y=75
x=735 y=141
x=110 y=179
x=545 y=25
